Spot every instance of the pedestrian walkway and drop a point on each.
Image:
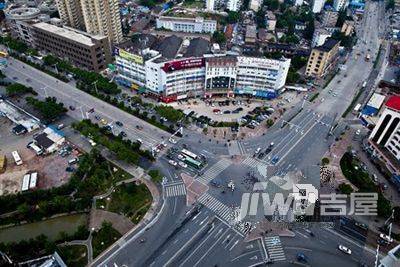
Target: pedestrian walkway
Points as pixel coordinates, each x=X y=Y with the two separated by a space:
x=223 y=211
x=236 y=148
x=214 y=171
x=274 y=248
x=175 y=190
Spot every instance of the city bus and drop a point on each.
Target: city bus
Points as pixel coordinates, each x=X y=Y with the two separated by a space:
x=189 y=154
x=194 y=163
x=17 y=158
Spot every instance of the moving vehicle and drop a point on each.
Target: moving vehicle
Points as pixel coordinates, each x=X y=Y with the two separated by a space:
x=118 y=123
x=386 y=238
x=367 y=57
x=361 y=225
x=194 y=163
x=182 y=164
x=140 y=141
x=71 y=107
x=301 y=257
x=173 y=163
x=275 y=160
x=17 y=158
x=103 y=121
x=258 y=150
x=344 y=249
x=189 y=154
x=172 y=140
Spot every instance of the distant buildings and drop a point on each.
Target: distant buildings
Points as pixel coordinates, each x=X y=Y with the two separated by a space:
x=91 y=52
x=329 y=18
x=233 y=5
x=251 y=34
x=270 y=21
x=347 y=27
x=392 y=259
x=254 y=5
x=317 y=6
x=323 y=59
x=210 y=4
x=340 y=4
x=192 y=25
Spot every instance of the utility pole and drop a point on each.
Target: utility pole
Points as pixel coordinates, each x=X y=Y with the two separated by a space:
x=95 y=86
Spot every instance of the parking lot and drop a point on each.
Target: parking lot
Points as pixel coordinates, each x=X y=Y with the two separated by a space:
x=51 y=169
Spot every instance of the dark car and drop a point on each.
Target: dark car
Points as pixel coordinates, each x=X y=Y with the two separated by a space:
x=123 y=134
x=227 y=112
x=118 y=123
x=71 y=107
x=301 y=257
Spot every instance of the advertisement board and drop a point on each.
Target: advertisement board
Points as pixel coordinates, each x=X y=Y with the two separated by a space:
x=183 y=64
x=128 y=56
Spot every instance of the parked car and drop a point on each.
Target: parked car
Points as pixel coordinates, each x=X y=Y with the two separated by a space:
x=172 y=162
x=118 y=123
x=344 y=249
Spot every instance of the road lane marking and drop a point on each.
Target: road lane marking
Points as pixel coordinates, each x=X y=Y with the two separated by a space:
x=237 y=241
x=303 y=235
x=204 y=220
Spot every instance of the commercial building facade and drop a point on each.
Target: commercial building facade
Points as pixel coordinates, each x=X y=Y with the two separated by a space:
x=192 y=25
x=91 y=52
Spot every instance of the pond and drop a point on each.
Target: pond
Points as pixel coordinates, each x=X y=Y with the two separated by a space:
x=51 y=228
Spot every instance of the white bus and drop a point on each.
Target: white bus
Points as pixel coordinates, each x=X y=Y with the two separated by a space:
x=25 y=182
x=189 y=154
x=357 y=108
x=17 y=158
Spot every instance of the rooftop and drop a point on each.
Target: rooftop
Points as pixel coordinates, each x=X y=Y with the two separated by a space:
x=138 y=43
x=169 y=46
x=394 y=102
x=328 y=45
x=197 y=48
x=43 y=141
x=186 y=19
x=69 y=33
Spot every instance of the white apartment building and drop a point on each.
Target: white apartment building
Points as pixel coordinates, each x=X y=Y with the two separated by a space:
x=340 y=4
x=210 y=4
x=233 y=5
x=298 y=2
x=258 y=76
x=254 y=5
x=193 y=25
x=317 y=6
x=319 y=37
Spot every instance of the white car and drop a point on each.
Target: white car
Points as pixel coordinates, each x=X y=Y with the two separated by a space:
x=181 y=157
x=172 y=162
x=345 y=249
x=140 y=141
x=358 y=132
x=386 y=238
x=172 y=140
x=182 y=164
x=258 y=150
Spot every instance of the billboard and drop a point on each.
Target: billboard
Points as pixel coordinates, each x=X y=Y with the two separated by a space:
x=128 y=56
x=183 y=64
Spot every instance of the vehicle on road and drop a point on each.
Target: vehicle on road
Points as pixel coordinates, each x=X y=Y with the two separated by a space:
x=123 y=134
x=119 y=124
x=386 y=238
x=173 y=163
x=181 y=157
x=97 y=117
x=60 y=126
x=182 y=164
x=361 y=225
x=344 y=249
x=275 y=160
x=367 y=57
x=194 y=163
x=103 y=121
x=301 y=257
x=172 y=140
x=139 y=127
x=140 y=141
x=71 y=107
x=189 y=154
x=91 y=110
x=258 y=150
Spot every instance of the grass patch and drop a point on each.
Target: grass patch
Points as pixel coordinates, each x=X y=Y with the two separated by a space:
x=378 y=56
x=103 y=238
x=156 y=176
x=129 y=199
x=73 y=256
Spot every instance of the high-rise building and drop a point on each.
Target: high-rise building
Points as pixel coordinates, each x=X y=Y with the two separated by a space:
x=71 y=13
x=103 y=17
x=210 y=4
x=340 y=4
x=233 y=5
x=317 y=6
x=323 y=59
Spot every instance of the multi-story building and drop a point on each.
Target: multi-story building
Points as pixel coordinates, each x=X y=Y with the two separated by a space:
x=254 y=5
x=298 y=2
x=385 y=137
x=220 y=75
x=91 y=52
x=192 y=25
x=329 y=18
x=210 y=4
x=340 y=4
x=251 y=34
x=323 y=59
x=20 y=20
x=270 y=19
x=233 y=5
x=103 y=17
x=317 y=6
x=71 y=13
x=347 y=27
x=319 y=37
x=260 y=77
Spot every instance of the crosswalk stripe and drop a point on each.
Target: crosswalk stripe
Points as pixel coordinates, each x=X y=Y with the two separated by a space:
x=274 y=248
x=175 y=190
x=213 y=172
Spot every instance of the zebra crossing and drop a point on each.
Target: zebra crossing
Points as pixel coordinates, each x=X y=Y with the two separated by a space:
x=274 y=248
x=175 y=190
x=213 y=172
x=226 y=213
x=250 y=161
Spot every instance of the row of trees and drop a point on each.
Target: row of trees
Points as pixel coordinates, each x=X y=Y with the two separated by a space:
x=17 y=89
x=49 y=109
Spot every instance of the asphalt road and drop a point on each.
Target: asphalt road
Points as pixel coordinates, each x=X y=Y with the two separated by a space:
x=46 y=85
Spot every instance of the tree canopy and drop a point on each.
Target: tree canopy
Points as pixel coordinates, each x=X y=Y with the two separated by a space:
x=49 y=109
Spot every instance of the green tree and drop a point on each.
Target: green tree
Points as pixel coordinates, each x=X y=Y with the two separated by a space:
x=219 y=37
x=345 y=189
x=233 y=17
x=341 y=18
x=49 y=109
x=309 y=31
x=18 y=89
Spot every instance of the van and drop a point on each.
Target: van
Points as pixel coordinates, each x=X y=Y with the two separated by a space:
x=35 y=148
x=60 y=126
x=73 y=161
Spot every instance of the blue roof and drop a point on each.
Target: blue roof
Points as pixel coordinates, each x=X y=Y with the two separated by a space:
x=369 y=111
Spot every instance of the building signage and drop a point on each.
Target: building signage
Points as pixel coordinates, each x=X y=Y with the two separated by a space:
x=128 y=56
x=184 y=64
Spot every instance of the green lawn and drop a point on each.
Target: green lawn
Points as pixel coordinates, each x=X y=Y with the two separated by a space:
x=73 y=256
x=131 y=200
x=103 y=238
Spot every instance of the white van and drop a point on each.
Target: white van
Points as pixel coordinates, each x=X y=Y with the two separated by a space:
x=73 y=161
x=37 y=149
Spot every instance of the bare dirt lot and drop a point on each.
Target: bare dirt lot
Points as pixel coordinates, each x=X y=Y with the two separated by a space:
x=51 y=168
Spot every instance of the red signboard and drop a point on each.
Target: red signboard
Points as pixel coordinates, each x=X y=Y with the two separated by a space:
x=183 y=64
